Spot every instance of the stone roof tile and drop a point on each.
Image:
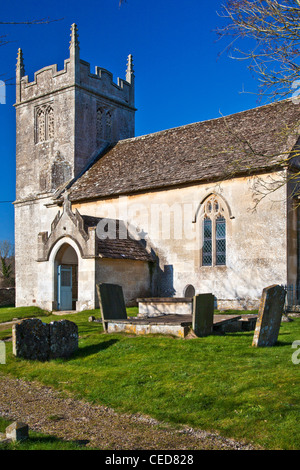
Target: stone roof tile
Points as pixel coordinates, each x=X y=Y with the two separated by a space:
x=118 y=247
x=245 y=143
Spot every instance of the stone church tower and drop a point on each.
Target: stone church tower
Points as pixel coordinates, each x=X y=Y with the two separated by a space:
x=64 y=119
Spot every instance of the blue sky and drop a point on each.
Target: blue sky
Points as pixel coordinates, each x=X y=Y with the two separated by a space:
x=180 y=76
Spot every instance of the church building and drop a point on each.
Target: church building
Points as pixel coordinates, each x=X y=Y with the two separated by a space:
x=206 y=207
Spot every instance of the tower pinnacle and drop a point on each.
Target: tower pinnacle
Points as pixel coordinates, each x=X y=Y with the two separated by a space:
x=20 y=72
x=74 y=53
x=20 y=64
x=129 y=71
x=74 y=36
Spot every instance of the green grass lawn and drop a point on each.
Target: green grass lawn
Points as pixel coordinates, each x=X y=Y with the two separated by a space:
x=217 y=383
x=10 y=313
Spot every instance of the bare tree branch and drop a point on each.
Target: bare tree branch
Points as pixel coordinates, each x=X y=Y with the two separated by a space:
x=4 y=41
x=269 y=30
x=30 y=22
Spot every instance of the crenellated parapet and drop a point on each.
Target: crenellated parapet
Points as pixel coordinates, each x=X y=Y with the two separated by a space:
x=46 y=80
x=101 y=83
x=76 y=72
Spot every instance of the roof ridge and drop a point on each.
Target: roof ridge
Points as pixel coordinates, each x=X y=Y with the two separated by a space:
x=184 y=126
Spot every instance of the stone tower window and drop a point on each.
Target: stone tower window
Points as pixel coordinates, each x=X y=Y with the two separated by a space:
x=213 y=233
x=44 y=124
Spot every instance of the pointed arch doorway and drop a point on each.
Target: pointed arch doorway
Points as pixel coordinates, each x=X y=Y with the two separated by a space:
x=66 y=279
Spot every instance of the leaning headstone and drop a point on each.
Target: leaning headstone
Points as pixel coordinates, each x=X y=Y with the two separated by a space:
x=31 y=339
x=63 y=339
x=112 y=302
x=17 y=431
x=269 y=316
x=203 y=314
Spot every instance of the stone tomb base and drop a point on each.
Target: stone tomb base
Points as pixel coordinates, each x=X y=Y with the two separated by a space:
x=156 y=306
x=175 y=325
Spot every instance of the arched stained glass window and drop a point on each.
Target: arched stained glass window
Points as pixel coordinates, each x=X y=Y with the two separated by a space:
x=207 y=242
x=213 y=233
x=220 y=241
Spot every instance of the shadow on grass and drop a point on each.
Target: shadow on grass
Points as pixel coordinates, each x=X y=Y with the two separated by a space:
x=53 y=439
x=94 y=348
x=46 y=443
x=283 y=343
x=235 y=334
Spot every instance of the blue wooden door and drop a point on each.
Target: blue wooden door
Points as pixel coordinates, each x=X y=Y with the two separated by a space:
x=64 y=287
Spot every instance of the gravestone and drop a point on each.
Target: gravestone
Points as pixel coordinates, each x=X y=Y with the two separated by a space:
x=63 y=339
x=269 y=316
x=17 y=431
x=112 y=303
x=2 y=353
x=31 y=339
x=35 y=340
x=203 y=314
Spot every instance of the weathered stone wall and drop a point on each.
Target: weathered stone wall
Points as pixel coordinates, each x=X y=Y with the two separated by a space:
x=117 y=118
x=36 y=162
x=133 y=276
x=245 y=303
x=31 y=218
x=256 y=250
x=256 y=238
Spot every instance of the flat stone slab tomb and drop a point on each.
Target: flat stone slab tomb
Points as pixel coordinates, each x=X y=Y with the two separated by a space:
x=175 y=325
